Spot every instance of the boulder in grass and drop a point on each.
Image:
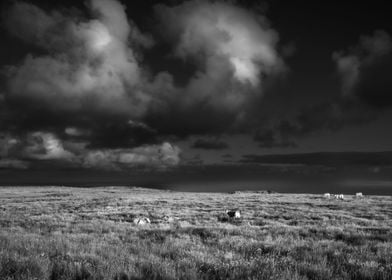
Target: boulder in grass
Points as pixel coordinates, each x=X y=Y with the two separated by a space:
x=141 y=221
x=233 y=214
x=230 y=216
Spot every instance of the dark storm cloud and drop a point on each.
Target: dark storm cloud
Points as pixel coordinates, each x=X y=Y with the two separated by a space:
x=194 y=161
x=327 y=116
x=44 y=146
x=88 y=64
x=13 y=163
x=85 y=74
x=279 y=135
x=93 y=65
x=210 y=144
x=366 y=87
x=34 y=146
x=374 y=85
x=234 y=51
x=158 y=156
x=86 y=96
x=366 y=70
x=79 y=98
x=121 y=135
x=225 y=39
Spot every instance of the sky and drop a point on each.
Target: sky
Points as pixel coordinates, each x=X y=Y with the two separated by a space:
x=158 y=87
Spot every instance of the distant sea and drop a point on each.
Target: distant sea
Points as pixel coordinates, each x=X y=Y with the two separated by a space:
x=374 y=180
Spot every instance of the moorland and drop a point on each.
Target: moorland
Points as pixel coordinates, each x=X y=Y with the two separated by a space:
x=89 y=233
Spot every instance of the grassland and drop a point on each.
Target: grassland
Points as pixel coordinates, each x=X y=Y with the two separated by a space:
x=88 y=233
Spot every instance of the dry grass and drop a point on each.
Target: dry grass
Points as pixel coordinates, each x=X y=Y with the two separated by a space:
x=87 y=233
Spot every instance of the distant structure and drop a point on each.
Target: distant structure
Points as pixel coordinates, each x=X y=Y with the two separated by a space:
x=253 y=192
x=358 y=195
x=327 y=195
x=141 y=221
x=234 y=214
x=339 y=196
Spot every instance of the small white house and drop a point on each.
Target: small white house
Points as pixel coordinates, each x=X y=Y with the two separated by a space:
x=339 y=196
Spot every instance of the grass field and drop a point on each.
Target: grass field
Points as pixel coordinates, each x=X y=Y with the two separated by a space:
x=88 y=233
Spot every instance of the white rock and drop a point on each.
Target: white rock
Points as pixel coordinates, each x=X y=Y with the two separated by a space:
x=141 y=221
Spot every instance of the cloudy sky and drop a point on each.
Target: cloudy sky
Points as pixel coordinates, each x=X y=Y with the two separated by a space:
x=110 y=85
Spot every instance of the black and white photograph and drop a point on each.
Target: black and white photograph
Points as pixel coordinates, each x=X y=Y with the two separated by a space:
x=195 y=139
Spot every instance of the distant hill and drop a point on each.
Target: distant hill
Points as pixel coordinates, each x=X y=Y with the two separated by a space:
x=324 y=158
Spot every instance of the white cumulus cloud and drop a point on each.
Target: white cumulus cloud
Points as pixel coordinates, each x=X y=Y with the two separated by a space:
x=90 y=64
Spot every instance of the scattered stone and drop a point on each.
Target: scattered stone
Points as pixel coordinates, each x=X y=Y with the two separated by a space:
x=141 y=221
x=234 y=214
